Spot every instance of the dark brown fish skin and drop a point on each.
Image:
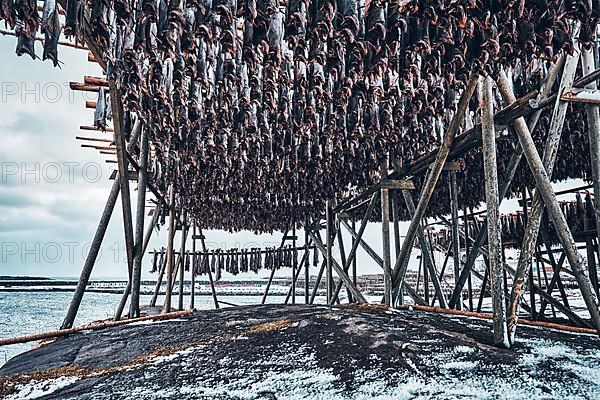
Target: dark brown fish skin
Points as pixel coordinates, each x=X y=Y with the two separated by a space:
x=260 y=110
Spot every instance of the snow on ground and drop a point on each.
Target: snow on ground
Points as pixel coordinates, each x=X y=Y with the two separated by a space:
x=35 y=389
x=329 y=354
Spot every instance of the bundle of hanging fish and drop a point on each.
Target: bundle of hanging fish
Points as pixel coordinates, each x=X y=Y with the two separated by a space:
x=260 y=110
x=580 y=215
x=27 y=20
x=232 y=261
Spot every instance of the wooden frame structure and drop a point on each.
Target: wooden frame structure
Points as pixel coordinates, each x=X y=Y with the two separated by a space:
x=132 y=159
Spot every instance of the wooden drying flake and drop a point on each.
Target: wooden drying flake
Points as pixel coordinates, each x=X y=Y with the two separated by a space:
x=132 y=175
x=93 y=139
x=581 y=95
x=400 y=184
x=93 y=146
x=95 y=81
x=94 y=128
x=83 y=87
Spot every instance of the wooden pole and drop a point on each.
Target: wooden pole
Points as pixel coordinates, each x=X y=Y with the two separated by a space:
x=159 y=279
x=488 y=133
x=90 y=260
x=318 y=282
x=509 y=173
x=353 y=258
x=210 y=277
x=455 y=236
x=340 y=239
x=546 y=193
x=369 y=250
x=306 y=264
x=401 y=264
x=264 y=298
x=328 y=254
x=385 y=232
x=426 y=256
x=192 y=268
x=592 y=112
x=134 y=309
x=119 y=136
x=467 y=251
x=356 y=240
x=295 y=275
x=171 y=237
x=90 y=327
x=294 y=265
x=533 y=312
x=339 y=270
x=184 y=230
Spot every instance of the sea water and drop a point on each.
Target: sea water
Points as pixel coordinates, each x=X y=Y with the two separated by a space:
x=26 y=313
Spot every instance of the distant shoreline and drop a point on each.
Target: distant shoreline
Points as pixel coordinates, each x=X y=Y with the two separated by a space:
x=120 y=292
x=23 y=278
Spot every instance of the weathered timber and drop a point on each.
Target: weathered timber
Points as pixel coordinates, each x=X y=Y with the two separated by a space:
x=90 y=260
x=426 y=253
x=169 y=266
x=506 y=179
x=134 y=308
x=544 y=188
x=493 y=213
x=592 y=112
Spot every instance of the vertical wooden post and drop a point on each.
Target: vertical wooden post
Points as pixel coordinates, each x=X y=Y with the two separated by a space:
x=340 y=239
x=159 y=280
x=530 y=278
x=426 y=256
x=455 y=234
x=491 y=195
x=306 y=264
x=170 y=255
x=294 y=264
x=134 y=309
x=353 y=258
x=385 y=232
x=593 y=122
x=546 y=193
x=264 y=298
x=192 y=268
x=423 y=265
x=184 y=229
x=329 y=257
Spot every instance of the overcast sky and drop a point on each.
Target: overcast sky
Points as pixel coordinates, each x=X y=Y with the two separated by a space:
x=52 y=191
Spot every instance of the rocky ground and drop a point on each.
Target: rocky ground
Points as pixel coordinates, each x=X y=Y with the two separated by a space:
x=314 y=352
